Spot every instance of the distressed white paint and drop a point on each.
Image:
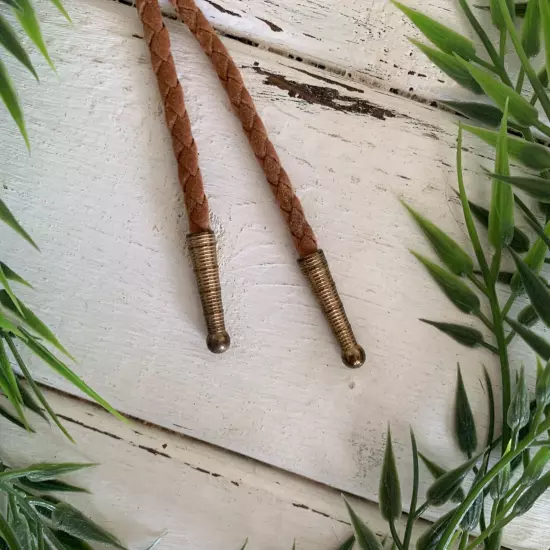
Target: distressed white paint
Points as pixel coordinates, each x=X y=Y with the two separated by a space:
x=100 y=195
x=151 y=482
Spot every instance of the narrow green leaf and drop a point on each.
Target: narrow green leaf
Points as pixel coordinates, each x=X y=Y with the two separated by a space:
x=545 y=21
x=444 y=487
x=443 y=37
x=6 y=284
x=465 y=428
x=21 y=526
x=491 y=403
x=8 y=416
x=500 y=485
x=11 y=275
x=29 y=401
x=520 y=8
x=59 y=5
x=538 y=344
x=520 y=241
x=389 y=495
x=245 y=544
x=28 y=20
x=7 y=370
x=471 y=518
x=467 y=336
x=9 y=97
x=447 y=249
x=496 y=13
x=52 y=485
x=542 y=389
x=536 y=466
x=538 y=188
x=43 y=471
x=519 y=410
x=414 y=495
x=72 y=521
x=520 y=109
x=365 y=538
x=7 y=533
x=36 y=389
x=71 y=543
x=431 y=537
x=527 y=500
x=67 y=373
x=457 y=291
x=9 y=219
x=7 y=325
x=450 y=66
x=437 y=471
x=11 y=3
x=10 y=41
x=538 y=293
x=33 y=321
x=532 y=155
x=530 y=30
x=482 y=113
x=348 y=543
x=528 y=316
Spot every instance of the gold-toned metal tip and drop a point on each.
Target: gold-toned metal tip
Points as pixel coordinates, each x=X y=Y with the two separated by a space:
x=202 y=248
x=315 y=268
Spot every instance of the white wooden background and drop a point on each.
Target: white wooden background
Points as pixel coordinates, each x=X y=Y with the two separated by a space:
x=99 y=193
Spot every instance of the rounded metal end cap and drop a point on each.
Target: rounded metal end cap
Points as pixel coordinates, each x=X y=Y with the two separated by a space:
x=354 y=357
x=218 y=342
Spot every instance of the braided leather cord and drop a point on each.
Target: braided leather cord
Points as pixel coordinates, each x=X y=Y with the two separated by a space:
x=177 y=120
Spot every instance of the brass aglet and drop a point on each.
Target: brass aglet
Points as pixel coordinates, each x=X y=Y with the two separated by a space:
x=202 y=247
x=315 y=268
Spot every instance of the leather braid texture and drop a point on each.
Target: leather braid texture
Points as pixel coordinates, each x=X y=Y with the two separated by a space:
x=177 y=120
x=157 y=38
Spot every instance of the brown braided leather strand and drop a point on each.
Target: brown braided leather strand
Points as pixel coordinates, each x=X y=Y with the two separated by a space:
x=231 y=78
x=177 y=120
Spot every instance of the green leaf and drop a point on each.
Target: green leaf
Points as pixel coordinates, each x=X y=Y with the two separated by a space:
x=29 y=401
x=7 y=533
x=538 y=293
x=501 y=214
x=72 y=521
x=32 y=321
x=450 y=66
x=530 y=30
x=71 y=543
x=389 y=495
x=416 y=482
x=8 y=416
x=458 y=292
x=7 y=325
x=443 y=37
x=11 y=275
x=496 y=13
x=365 y=538
x=533 y=493
x=10 y=41
x=520 y=109
x=59 y=5
x=519 y=410
x=532 y=155
x=62 y=369
x=467 y=336
x=444 y=487
x=9 y=97
x=528 y=316
x=11 y=3
x=36 y=389
x=520 y=241
x=545 y=20
x=491 y=403
x=6 y=284
x=520 y=8
x=52 y=485
x=536 y=187
x=348 y=543
x=9 y=219
x=500 y=484
x=7 y=371
x=538 y=344
x=542 y=389
x=28 y=20
x=470 y=520
x=44 y=471
x=535 y=467
x=465 y=428
x=20 y=525
x=448 y=250
x=437 y=471
x=431 y=537
x=482 y=113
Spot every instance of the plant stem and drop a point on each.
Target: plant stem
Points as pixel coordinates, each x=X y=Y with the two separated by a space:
x=509 y=303
x=490 y=347
x=484 y=320
x=502 y=45
x=477 y=283
x=486 y=65
x=463 y=540
x=421 y=510
x=485 y=480
x=543 y=128
x=512 y=490
x=497 y=527
x=395 y=535
x=521 y=79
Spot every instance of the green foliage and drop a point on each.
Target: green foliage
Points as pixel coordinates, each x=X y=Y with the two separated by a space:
x=465 y=427
x=467 y=336
x=365 y=538
x=389 y=495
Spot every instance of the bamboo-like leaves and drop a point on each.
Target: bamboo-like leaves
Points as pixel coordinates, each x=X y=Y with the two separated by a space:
x=443 y=37
x=450 y=65
x=7 y=533
x=43 y=471
x=52 y=485
x=10 y=41
x=483 y=113
x=348 y=543
x=536 y=187
x=465 y=428
x=536 y=290
x=364 y=537
x=528 y=316
x=530 y=30
x=389 y=495
x=11 y=275
x=9 y=219
x=431 y=537
x=532 y=155
x=457 y=291
x=542 y=389
x=519 y=410
x=537 y=343
x=500 y=485
x=437 y=471
x=467 y=336
x=448 y=250
x=10 y=99
x=527 y=500
x=496 y=13
x=501 y=214
x=536 y=466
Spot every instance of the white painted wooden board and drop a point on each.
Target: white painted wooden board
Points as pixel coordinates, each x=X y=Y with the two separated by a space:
x=100 y=195
x=151 y=482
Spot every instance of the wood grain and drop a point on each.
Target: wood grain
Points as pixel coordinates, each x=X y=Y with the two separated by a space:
x=100 y=195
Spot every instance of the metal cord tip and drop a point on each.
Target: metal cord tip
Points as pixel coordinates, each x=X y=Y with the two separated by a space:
x=218 y=342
